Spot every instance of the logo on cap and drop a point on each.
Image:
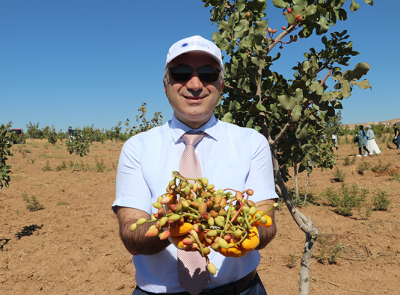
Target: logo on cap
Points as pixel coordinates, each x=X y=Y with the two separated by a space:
x=184 y=44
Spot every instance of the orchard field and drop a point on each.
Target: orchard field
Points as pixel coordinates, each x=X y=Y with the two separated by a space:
x=68 y=242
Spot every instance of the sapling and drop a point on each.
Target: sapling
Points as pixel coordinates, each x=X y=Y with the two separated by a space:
x=80 y=146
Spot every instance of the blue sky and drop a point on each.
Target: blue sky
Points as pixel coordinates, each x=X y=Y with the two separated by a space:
x=83 y=62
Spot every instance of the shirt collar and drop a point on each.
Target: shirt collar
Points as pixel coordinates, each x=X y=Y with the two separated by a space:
x=211 y=127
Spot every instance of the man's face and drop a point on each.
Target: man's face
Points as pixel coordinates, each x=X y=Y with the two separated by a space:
x=193 y=101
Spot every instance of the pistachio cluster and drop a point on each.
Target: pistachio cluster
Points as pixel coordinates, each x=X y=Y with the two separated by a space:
x=196 y=217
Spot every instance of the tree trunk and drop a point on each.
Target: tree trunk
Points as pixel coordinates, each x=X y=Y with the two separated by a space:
x=304 y=223
x=76 y=158
x=308 y=183
x=295 y=181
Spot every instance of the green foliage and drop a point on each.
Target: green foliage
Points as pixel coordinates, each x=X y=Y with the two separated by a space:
x=32 y=203
x=395 y=177
x=144 y=125
x=338 y=175
x=381 y=201
x=299 y=202
x=47 y=167
x=100 y=165
x=80 y=146
x=380 y=168
x=33 y=131
x=94 y=134
x=328 y=249
x=24 y=153
x=52 y=137
x=61 y=203
x=291 y=261
x=115 y=133
x=347 y=161
x=333 y=125
x=62 y=166
x=363 y=166
x=5 y=152
x=345 y=200
x=285 y=110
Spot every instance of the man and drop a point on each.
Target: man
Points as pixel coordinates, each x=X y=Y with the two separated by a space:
x=396 y=139
x=230 y=157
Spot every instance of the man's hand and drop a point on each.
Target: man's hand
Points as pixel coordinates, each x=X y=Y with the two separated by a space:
x=266 y=234
x=136 y=242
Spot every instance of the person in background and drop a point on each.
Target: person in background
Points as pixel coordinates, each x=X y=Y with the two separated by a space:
x=371 y=143
x=362 y=142
x=396 y=139
x=335 y=138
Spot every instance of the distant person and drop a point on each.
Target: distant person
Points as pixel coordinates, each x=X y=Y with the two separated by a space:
x=362 y=142
x=335 y=138
x=371 y=143
x=396 y=139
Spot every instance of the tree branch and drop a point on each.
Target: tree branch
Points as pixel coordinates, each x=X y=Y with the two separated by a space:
x=280 y=135
x=326 y=77
x=241 y=93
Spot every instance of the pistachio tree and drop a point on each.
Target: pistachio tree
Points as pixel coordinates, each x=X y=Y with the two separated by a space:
x=144 y=124
x=80 y=145
x=289 y=112
x=52 y=137
x=6 y=140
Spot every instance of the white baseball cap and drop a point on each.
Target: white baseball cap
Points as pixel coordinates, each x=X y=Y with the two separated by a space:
x=195 y=43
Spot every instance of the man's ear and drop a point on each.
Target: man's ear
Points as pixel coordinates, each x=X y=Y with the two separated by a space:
x=165 y=85
x=222 y=86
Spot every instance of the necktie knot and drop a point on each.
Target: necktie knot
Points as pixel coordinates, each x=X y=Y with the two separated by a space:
x=192 y=138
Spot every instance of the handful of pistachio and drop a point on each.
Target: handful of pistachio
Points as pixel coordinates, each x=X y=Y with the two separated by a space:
x=197 y=217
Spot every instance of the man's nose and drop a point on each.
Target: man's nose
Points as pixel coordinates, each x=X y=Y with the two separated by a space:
x=194 y=83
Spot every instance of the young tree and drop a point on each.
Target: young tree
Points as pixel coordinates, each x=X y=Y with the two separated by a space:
x=32 y=130
x=80 y=146
x=114 y=133
x=52 y=137
x=61 y=135
x=6 y=140
x=284 y=110
x=144 y=124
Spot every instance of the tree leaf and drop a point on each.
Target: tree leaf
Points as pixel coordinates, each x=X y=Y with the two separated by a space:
x=298 y=97
x=354 y=6
x=227 y=118
x=280 y=3
x=322 y=26
x=296 y=113
x=250 y=122
x=302 y=133
x=311 y=9
x=286 y=101
x=363 y=84
x=240 y=5
x=261 y=107
x=360 y=70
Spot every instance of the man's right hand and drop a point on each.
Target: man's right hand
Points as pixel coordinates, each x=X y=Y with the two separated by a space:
x=136 y=242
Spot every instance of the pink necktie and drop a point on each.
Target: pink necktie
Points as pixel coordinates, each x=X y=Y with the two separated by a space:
x=192 y=267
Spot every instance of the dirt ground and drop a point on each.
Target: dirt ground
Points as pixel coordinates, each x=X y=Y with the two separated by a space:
x=72 y=245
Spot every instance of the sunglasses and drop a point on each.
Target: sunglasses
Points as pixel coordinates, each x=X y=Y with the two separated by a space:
x=184 y=73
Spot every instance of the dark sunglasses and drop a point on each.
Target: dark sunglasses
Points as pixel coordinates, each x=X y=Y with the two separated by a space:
x=184 y=73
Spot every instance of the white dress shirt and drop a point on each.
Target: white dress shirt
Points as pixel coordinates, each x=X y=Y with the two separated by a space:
x=230 y=157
